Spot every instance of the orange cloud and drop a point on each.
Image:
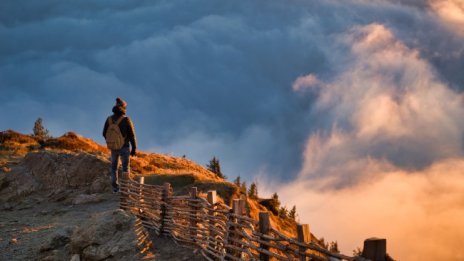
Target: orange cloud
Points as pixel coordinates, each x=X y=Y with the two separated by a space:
x=420 y=213
x=451 y=12
x=392 y=165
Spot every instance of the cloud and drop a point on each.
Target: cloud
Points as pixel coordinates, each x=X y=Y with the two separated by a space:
x=451 y=12
x=420 y=213
x=392 y=163
x=306 y=81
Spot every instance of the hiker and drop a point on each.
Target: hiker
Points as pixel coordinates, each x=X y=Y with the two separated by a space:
x=119 y=132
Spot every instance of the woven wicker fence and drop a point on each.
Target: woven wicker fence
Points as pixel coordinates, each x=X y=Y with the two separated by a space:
x=218 y=231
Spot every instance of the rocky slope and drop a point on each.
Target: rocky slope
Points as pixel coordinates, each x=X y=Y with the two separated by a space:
x=56 y=202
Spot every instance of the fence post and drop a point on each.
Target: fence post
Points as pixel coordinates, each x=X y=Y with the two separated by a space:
x=232 y=238
x=264 y=228
x=141 y=198
x=375 y=249
x=304 y=236
x=212 y=199
x=193 y=216
x=167 y=191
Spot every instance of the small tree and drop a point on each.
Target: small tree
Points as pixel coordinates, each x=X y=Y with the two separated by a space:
x=39 y=130
x=357 y=251
x=237 y=181
x=253 y=191
x=275 y=200
x=283 y=212
x=334 y=247
x=292 y=213
x=243 y=188
x=323 y=243
x=215 y=167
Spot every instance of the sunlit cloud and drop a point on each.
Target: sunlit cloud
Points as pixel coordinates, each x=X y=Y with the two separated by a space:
x=306 y=81
x=392 y=156
x=419 y=212
x=451 y=12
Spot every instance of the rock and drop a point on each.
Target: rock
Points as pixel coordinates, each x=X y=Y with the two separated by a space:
x=54 y=170
x=86 y=199
x=110 y=234
x=75 y=257
x=58 y=239
x=100 y=185
x=55 y=255
x=13 y=241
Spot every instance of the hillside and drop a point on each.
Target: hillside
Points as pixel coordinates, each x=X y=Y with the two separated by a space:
x=70 y=171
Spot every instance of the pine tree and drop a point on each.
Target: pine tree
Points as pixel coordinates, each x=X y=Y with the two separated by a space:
x=237 y=181
x=292 y=213
x=215 y=167
x=283 y=212
x=243 y=188
x=253 y=191
x=39 y=130
x=323 y=243
x=334 y=247
x=275 y=200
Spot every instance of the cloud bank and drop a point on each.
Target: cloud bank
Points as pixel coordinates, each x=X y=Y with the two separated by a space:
x=392 y=163
x=338 y=99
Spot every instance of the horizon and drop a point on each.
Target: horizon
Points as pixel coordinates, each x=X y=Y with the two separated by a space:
x=350 y=110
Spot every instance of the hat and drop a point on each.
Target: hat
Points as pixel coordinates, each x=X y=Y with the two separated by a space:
x=120 y=102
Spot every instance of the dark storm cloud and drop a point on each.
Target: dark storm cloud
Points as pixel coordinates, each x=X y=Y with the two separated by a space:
x=202 y=78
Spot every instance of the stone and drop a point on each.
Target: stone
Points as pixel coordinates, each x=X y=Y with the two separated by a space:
x=58 y=239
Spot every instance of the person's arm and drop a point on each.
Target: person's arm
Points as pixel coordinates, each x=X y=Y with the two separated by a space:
x=105 y=128
x=131 y=136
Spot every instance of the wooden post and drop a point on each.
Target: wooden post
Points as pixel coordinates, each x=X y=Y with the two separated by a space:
x=140 y=202
x=304 y=236
x=212 y=199
x=232 y=237
x=167 y=191
x=375 y=249
x=193 y=218
x=264 y=228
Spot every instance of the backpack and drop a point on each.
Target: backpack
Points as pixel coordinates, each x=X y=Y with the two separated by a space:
x=114 y=138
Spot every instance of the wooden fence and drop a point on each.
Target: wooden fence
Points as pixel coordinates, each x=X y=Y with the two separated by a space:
x=218 y=231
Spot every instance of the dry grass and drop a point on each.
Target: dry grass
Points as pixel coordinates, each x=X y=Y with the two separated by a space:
x=16 y=144
x=71 y=141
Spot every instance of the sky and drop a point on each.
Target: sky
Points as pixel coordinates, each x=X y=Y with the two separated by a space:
x=351 y=110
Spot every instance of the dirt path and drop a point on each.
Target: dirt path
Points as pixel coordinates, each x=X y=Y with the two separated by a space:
x=25 y=226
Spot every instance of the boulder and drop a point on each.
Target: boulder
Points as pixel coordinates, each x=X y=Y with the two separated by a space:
x=112 y=234
x=53 y=170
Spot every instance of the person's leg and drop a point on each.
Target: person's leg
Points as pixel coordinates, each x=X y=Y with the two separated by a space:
x=125 y=154
x=114 y=169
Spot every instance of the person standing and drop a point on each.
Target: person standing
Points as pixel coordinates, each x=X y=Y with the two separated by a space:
x=119 y=133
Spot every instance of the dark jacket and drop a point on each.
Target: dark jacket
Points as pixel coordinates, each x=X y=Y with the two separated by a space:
x=126 y=127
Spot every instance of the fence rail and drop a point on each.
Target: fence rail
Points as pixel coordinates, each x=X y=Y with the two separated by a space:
x=220 y=232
